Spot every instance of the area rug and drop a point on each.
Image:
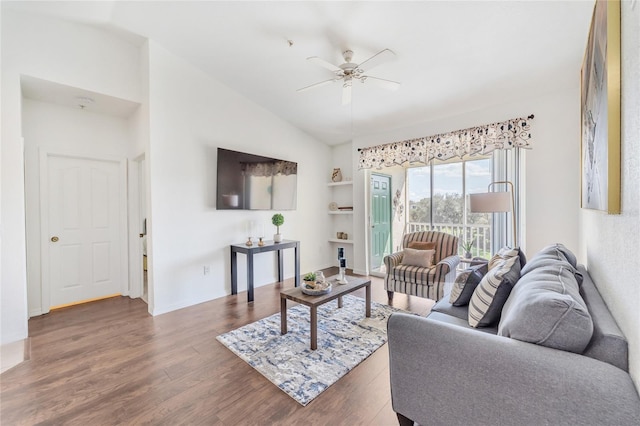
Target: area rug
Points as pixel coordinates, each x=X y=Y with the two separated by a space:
x=345 y=339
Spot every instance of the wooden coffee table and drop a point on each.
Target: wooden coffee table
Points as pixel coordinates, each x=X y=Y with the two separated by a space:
x=337 y=291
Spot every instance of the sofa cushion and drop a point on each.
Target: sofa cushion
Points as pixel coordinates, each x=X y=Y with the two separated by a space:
x=553 y=252
x=414 y=274
x=415 y=257
x=466 y=283
x=546 y=308
x=492 y=292
x=444 y=307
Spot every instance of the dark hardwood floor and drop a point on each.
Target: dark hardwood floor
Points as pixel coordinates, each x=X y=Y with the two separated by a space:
x=110 y=362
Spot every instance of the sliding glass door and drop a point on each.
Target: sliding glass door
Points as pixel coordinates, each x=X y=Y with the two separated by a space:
x=437 y=197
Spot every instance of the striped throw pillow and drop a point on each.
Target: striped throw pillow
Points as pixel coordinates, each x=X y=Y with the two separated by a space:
x=491 y=294
x=503 y=254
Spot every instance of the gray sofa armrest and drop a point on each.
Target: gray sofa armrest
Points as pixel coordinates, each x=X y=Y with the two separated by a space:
x=465 y=377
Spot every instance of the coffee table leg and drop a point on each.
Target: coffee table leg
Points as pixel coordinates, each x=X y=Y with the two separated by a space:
x=283 y=315
x=368 y=300
x=340 y=302
x=314 y=328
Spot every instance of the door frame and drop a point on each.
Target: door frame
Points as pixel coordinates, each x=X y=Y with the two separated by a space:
x=45 y=269
x=136 y=272
x=370 y=227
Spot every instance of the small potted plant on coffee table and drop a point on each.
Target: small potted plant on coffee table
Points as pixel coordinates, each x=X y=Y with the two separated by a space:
x=309 y=280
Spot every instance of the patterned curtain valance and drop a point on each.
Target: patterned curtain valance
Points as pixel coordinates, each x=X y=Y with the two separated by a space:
x=270 y=169
x=475 y=140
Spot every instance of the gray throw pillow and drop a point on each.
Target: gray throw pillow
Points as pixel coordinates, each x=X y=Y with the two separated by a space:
x=492 y=292
x=466 y=283
x=546 y=308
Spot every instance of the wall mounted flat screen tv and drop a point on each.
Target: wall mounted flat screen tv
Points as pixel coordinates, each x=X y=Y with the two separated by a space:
x=252 y=182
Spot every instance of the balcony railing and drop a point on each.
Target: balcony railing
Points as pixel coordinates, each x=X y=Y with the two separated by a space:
x=481 y=234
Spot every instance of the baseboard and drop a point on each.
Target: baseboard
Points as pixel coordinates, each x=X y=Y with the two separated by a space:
x=14 y=353
x=159 y=310
x=360 y=272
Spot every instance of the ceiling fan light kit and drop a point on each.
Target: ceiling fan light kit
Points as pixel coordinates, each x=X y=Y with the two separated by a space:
x=348 y=71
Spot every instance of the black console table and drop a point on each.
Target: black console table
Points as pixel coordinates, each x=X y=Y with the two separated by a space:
x=255 y=249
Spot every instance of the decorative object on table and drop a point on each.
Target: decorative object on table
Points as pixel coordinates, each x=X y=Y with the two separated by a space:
x=342 y=276
x=467 y=246
x=315 y=284
x=309 y=278
x=339 y=235
x=288 y=362
x=249 y=228
x=320 y=288
x=345 y=236
x=333 y=206
x=261 y=238
x=600 y=101
x=342 y=262
x=496 y=202
x=277 y=219
x=336 y=175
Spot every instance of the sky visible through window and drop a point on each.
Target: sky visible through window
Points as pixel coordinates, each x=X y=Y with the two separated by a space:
x=447 y=179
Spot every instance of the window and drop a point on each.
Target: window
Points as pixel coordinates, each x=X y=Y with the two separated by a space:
x=438 y=201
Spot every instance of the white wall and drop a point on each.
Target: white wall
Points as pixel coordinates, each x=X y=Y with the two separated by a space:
x=60 y=130
x=65 y=53
x=610 y=243
x=190 y=116
x=551 y=188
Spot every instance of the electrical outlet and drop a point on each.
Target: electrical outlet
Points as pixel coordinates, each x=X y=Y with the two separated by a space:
x=207 y=269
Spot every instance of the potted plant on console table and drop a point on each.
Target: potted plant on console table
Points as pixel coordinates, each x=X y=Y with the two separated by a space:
x=277 y=219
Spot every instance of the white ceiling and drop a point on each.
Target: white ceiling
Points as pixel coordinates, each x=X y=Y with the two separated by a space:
x=451 y=56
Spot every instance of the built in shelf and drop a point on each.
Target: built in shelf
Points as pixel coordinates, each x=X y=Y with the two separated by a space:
x=335 y=240
x=340 y=211
x=344 y=182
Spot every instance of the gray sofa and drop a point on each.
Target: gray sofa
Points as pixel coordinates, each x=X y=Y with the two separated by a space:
x=445 y=372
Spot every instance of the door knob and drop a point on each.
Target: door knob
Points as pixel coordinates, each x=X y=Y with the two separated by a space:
x=54 y=239
x=141 y=235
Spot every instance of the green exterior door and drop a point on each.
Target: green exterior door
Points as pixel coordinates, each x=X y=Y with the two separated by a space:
x=380 y=219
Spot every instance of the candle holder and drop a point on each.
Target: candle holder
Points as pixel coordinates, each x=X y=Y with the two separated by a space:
x=342 y=277
x=249 y=243
x=260 y=242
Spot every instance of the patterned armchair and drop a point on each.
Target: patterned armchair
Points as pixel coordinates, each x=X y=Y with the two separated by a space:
x=421 y=281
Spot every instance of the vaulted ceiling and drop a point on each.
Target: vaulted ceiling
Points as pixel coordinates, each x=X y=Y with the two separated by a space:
x=451 y=56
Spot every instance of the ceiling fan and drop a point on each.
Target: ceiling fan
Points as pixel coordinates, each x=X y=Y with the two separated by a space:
x=349 y=71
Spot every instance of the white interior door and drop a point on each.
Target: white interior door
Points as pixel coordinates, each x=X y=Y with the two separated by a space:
x=83 y=205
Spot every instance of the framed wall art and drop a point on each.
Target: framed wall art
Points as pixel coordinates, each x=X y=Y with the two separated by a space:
x=600 y=110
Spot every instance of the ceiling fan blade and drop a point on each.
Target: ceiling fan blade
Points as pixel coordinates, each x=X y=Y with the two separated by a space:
x=346 y=93
x=314 y=85
x=384 y=83
x=324 y=64
x=380 y=57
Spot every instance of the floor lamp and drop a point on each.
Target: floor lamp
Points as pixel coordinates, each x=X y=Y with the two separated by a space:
x=495 y=202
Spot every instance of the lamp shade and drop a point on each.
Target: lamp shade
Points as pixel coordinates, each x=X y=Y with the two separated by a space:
x=490 y=202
